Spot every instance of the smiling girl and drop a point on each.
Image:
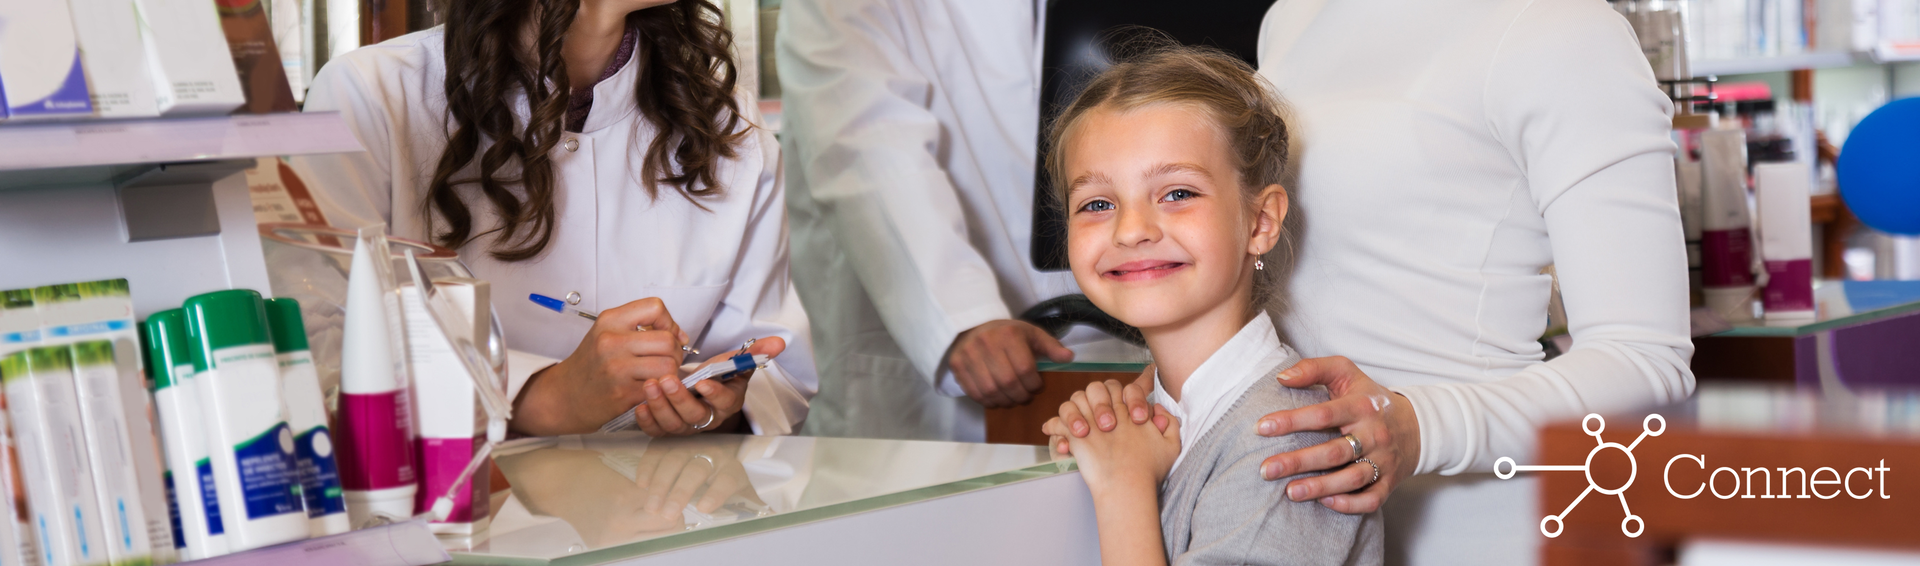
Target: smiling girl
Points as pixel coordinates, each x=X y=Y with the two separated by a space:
x=1176 y=219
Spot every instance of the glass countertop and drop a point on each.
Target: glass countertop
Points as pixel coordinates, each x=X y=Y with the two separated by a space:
x=1841 y=303
x=598 y=498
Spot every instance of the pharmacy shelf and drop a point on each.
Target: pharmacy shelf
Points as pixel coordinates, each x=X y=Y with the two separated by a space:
x=112 y=151
x=1750 y=65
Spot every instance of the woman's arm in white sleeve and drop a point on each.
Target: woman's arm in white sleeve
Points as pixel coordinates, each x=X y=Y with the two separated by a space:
x=760 y=303
x=1576 y=104
x=863 y=144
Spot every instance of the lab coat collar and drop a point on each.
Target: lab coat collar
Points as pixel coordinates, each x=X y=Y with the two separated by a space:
x=1220 y=381
x=613 y=99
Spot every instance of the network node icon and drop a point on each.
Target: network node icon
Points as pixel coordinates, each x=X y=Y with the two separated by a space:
x=1632 y=526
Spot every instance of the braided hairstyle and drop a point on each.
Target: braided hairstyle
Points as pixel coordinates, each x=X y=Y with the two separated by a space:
x=1240 y=102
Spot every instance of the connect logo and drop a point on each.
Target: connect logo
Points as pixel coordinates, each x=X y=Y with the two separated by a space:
x=1632 y=526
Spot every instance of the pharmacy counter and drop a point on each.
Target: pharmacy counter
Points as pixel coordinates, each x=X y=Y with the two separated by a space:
x=628 y=499
x=1860 y=338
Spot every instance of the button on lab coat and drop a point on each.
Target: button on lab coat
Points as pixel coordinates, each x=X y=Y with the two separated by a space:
x=912 y=126
x=722 y=269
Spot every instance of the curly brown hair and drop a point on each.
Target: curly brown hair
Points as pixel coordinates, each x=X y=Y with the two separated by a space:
x=685 y=91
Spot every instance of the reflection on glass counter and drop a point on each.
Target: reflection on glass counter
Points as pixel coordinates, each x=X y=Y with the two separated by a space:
x=596 y=498
x=1840 y=303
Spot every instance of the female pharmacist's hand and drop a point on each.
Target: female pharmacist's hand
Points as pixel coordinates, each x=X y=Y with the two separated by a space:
x=627 y=347
x=1133 y=396
x=1382 y=420
x=672 y=411
x=700 y=472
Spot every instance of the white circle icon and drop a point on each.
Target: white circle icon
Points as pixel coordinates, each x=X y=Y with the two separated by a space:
x=1593 y=425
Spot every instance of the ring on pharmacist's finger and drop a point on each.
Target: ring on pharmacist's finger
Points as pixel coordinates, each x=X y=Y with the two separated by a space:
x=710 y=413
x=1353 y=441
x=1376 y=470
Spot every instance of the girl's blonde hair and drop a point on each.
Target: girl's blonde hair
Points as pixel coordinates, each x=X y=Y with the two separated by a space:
x=1238 y=100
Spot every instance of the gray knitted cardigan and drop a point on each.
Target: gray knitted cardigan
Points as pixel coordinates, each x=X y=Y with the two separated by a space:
x=1216 y=509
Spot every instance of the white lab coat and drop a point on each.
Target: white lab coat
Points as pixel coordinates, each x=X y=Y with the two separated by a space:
x=912 y=126
x=723 y=269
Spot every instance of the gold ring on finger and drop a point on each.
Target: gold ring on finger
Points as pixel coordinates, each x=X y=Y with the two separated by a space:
x=1354 y=442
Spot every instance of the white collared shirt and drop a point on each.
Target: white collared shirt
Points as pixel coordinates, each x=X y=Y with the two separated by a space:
x=1210 y=392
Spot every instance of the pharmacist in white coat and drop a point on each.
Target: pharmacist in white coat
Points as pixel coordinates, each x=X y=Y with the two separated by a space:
x=694 y=263
x=911 y=128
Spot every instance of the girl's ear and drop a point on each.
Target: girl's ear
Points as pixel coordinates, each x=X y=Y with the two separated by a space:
x=1269 y=214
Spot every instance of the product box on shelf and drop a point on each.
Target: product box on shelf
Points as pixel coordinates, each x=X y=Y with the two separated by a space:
x=450 y=424
x=263 y=76
x=45 y=413
x=41 y=76
x=1786 y=238
x=117 y=489
x=72 y=313
x=192 y=68
x=116 y=59
x=19 y=330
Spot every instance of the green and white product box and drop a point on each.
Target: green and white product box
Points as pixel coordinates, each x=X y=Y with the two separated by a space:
x=19 y=329
x=251 y=447
x=116 y=490
x=72 y=313
x=46 y=421
x=200 y=532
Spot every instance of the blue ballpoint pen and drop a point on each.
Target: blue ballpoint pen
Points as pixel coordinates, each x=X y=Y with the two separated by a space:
x=559 y=306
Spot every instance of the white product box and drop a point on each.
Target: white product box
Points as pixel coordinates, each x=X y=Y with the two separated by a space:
x=450 y=425
x=40 y=70
x=103 y=310
x=192 y=67
x=53 y=459
x=116 y=485
x=19 y=330
x=115 y=59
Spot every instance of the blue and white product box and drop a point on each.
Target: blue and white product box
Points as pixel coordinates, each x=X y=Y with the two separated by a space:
x=40 y=72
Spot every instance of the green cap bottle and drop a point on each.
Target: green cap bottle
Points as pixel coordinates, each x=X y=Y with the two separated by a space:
x=289 y=329
x=165 y=334
x=224 y=319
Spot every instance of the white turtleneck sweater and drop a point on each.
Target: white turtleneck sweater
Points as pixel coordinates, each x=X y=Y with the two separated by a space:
x=1448 y=151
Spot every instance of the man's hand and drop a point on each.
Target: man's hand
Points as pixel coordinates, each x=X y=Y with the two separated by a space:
x=994 y=363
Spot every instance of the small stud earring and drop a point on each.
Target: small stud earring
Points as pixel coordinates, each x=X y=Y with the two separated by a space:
x=1259 y=265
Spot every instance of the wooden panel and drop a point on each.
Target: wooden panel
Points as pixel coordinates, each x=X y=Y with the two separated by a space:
x=1755 y=358
x=1592 y=532
x=1021 y=425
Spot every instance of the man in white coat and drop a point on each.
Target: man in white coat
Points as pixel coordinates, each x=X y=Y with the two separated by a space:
x=911 y=128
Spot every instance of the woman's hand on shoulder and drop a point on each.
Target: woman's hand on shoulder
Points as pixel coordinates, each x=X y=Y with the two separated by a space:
x=1380 y=420
x=672 y=411
x=1130 y=454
